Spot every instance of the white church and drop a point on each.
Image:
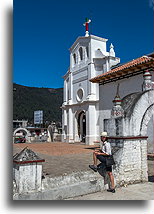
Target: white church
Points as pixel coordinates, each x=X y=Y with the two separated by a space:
x=99 y=92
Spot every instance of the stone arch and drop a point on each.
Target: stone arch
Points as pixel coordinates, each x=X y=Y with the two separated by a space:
x=21 y=129
x=79 y=133
x=145 y=120
x=27 y=133
x=141 y=114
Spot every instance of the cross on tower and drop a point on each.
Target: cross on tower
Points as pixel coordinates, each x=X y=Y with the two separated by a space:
x=86 y=24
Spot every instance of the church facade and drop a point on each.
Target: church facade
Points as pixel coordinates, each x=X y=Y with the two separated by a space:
x=96 y=89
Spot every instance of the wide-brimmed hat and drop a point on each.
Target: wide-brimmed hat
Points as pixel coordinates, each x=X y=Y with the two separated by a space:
x=103 y=134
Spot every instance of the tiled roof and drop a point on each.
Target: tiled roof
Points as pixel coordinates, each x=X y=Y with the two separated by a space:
x=122 y=68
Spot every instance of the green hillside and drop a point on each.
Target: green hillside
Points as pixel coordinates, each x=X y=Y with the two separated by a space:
x=26 y=100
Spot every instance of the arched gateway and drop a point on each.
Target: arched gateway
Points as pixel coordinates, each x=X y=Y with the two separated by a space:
x=139 y=117
x=132 y=131
x=141 y=112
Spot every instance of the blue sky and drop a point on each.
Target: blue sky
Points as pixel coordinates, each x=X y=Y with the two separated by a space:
x=44 y=30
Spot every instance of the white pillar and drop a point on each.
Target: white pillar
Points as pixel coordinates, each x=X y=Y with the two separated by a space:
x=70 y=88
x=93 y=88
x=70 y=124
x=64 y=92
x=64 y=122
x=91 y=125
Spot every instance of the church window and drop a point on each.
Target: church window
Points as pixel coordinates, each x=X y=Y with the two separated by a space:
x=79 y=95
x=87 y=52
x=81 y=53
x=74 y=57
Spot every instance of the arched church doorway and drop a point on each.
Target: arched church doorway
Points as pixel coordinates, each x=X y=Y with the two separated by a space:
x=82 y=126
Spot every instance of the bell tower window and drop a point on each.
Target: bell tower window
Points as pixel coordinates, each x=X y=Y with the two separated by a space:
x=87 y=52
x=74 y=58
x=81 y=53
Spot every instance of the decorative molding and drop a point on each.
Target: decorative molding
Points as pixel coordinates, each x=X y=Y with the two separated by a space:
x=79 y=70
x=81 y=38
x=80 y=79
x=98 y=38
x=81 y=103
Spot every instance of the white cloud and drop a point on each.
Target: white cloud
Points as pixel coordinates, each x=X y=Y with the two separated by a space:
x=151 y=4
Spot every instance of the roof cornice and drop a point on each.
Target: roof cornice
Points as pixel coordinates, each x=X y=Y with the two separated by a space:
x=87 y=38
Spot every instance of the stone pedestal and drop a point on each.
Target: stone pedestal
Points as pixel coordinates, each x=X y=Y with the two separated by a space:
x=27 y=171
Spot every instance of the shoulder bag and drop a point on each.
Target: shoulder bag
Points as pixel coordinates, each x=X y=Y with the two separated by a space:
x=110 y=160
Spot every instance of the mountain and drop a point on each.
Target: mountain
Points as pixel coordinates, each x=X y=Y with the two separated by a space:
x=26 y=100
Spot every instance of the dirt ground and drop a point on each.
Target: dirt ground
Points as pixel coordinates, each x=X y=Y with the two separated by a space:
x=60 y=158
x=64 y=158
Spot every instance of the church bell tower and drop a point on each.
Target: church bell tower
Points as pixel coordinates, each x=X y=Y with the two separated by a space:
x=80 y=109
